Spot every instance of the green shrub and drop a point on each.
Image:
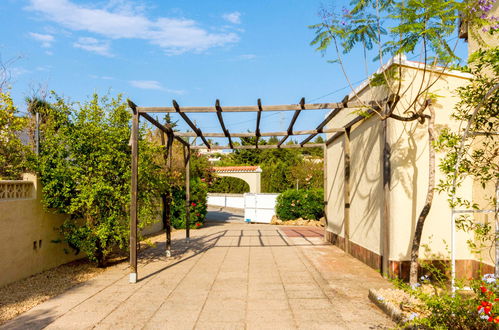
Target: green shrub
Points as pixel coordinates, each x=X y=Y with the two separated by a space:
x=228 y=185
x=198 y=207
x=307 y=204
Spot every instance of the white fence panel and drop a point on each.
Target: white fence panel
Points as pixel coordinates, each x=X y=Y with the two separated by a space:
x=215 y=200
x=234 y=201
x=226 y=200
x=259 y=207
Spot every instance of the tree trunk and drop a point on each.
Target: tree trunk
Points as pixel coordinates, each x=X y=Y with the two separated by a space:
x=99 y=255
x=413 y=273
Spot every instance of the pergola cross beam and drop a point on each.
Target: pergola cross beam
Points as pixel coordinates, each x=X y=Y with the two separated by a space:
x=328 y=118
x=221 y=120
x=258 y=118
x=190 y=123
x=293 y=121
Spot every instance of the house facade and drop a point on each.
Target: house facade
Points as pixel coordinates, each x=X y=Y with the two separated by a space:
x=377 y=178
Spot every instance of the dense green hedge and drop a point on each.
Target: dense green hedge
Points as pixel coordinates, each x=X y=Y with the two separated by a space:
x=228 y=185
x=307 y=204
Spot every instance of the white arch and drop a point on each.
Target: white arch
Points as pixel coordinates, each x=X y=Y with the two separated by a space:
x=250 y=174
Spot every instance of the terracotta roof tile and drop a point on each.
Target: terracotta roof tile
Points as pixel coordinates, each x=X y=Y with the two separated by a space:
x=236 y=169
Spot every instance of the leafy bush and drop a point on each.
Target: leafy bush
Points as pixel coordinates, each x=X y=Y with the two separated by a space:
x=477 y=310
x=198 y=206
x=228 y=185
x=84 y=166
x=14 y=153
x=307 y=204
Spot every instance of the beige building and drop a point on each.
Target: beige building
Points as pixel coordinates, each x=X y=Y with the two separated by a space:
x=374 y=221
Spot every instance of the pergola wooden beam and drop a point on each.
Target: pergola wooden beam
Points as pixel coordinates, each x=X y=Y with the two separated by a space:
x=167 y=130
x=190 y=123
x=258 y=118
x=254 y=108
x=292 y=123
x=329 y=117
x=262 y=134
x=264 y=146
x=350 y=124
x=221 y=120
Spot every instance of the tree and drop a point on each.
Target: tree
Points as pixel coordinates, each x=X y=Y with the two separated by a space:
x=14 y=153
x=392 y=28
x=84 y=166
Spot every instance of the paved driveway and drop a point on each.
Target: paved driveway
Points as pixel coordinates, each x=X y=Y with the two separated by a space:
x=230 y=276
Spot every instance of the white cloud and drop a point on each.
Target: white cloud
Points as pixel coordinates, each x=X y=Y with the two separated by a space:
x=124 y=20
x=153 y=85
x=93 y=76
x=18 y=71
x=94 y=45
x=45 y=39
x=234 y=17
x=247 y=57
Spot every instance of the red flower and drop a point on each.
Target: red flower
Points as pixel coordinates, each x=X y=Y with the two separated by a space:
x=483 y=289
x=496 y=320
x=197 y=214
x=198 y=224
x=497 y=299
x=487 y=310
x=491 y=319
x=193 y=204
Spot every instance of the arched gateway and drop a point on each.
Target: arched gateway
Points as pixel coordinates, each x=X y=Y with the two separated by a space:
x=250 y=174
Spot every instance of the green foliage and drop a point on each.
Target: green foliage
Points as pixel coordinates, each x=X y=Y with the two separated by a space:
x=281 y=168
x=84 y=166
x=443 y=309
x=395 y=27
x=14 y=154
x=198 y=205
x=479 y=158
x=307 y=204
x=228 y=185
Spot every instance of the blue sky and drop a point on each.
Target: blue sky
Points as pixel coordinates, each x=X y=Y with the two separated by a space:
x=192 y=51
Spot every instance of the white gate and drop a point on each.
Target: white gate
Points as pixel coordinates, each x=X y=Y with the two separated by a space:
x=259 y=207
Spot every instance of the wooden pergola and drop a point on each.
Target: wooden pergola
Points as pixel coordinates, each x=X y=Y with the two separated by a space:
x=167 y=130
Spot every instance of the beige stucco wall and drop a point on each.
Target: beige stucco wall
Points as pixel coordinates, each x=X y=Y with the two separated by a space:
x=366 y=187
x=366 y=191
x=409 y=161
x=409 y=176
x=23 y=222
x=252 y=178
x=335 y=173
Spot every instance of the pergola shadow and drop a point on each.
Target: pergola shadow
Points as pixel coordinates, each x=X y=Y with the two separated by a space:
x=182 y=251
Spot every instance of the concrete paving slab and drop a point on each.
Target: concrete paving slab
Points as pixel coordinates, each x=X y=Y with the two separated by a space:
x=230 y=276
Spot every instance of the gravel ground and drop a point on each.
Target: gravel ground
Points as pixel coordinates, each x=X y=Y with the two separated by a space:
x=20 y=296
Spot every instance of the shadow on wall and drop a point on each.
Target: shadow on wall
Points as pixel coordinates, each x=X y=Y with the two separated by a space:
x=365 y=179
x=336 y=203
